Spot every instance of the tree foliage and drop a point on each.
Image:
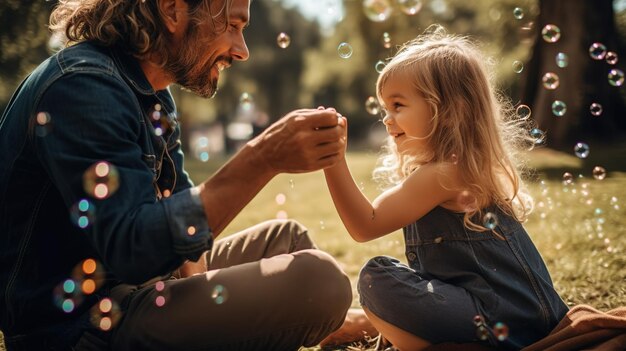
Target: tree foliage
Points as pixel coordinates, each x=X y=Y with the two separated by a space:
x=309 y=72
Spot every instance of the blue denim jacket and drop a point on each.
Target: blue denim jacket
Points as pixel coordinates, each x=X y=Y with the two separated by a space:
x=100 y=107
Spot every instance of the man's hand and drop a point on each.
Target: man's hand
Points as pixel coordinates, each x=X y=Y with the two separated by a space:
x=302 y=141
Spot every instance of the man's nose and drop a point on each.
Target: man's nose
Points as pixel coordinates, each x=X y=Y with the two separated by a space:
x=240 y=50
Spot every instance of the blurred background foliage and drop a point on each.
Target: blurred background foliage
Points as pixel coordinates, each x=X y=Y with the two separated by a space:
x=309 y=72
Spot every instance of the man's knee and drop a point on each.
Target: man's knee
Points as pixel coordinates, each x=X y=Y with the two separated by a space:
x=292 y=231
x=327 y=286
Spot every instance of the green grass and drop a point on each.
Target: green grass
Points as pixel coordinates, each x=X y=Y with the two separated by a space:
x=580 y=229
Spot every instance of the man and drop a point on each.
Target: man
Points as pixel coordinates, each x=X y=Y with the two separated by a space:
x=101 y=228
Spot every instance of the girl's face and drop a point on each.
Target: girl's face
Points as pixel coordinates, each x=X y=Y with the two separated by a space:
x=407 y=114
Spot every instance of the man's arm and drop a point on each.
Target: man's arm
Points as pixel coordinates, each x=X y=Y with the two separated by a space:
x=302 y=141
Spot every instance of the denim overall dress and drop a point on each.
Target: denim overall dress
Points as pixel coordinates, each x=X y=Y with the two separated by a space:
x=464 y=286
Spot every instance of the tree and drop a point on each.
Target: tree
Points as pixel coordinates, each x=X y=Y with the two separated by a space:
x=583 y=81
x=23 y=41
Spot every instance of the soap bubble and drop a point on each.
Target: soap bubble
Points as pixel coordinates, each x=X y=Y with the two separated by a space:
x=344 y=50
x=377 y=10
x=559 y=108
x=616 y=77
x=550 y=81
x=490 y=220
x=595 y=109
x=611 y=57
x=562 y=60
x=410 y=7
x=597 y=51
x=599 y=172
x=101 y=180
x=551 y=33
x=581 y=150
x=372 y=106
x=283 y=40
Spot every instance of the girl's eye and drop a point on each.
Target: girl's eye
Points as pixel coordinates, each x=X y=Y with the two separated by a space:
x=397 y=105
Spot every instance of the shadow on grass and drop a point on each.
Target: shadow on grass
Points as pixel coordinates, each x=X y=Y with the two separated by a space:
x=551 y=164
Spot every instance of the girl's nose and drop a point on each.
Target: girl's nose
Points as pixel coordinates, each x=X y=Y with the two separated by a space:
x=387 y=120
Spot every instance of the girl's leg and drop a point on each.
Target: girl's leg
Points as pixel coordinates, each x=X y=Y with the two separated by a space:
x=413 y=312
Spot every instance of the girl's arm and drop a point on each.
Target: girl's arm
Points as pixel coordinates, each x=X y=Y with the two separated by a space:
x=395 y=208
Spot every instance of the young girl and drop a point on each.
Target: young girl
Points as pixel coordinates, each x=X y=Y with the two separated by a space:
x=473 y=273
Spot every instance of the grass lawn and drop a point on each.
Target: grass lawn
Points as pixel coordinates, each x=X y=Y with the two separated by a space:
x=580 y=229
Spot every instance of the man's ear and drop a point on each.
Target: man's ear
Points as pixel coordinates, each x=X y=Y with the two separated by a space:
x=173 y=14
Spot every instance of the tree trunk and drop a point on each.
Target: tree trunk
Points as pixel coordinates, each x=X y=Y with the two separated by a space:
x=583 y=81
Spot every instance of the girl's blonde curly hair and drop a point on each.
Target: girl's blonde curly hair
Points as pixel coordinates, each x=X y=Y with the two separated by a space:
x=472 y=124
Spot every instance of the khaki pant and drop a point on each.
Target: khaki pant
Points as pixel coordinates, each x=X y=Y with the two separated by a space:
x=267 y=288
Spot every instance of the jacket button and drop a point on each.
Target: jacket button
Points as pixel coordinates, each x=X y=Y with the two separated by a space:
x=411 y=256
x=438 y=240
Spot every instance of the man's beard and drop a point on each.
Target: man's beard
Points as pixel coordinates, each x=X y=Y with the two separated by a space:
x=186 y=70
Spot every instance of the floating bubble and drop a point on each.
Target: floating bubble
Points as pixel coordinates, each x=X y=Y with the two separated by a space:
x=386 y=40
x=281 y=199
x=523 y=111
x=550 y=81
x=67 y=295
x=616 y=77
x=379 y=66
x=538 y=135
x=44 y=124
x=372 y=106
x=611 y=57
x=377 y=10
x=568 y=178
x=291 y=183
x=518 y=66
x=246 y=102
x=281 y=215
x=201 y=149
x=159 y=286
x=88 y=275
x=410 y=7
x=322 y=225
x=159 y=301
x=219 y=294
x=562 y=60
x=581 y=150
x=551 y=33
x=518 y=13
x=191 y=230
x=500 y=331
x=478 y=320
x=105 y=314
x=490 y=220
x=83 y=213
x=595 y=109
x=101 y=180
x=482 y=332
x=283 y=40
x=599 y=172
x=597 y=51
x=344 y=50
x=559 y=108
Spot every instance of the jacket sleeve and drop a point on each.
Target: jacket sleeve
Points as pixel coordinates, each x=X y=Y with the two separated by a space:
x=95 y=117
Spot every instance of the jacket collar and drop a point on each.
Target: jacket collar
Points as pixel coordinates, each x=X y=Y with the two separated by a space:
x=131 y=71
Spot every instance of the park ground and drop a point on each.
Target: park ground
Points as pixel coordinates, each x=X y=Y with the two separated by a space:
x=580 y=228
